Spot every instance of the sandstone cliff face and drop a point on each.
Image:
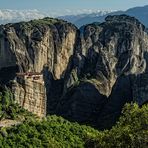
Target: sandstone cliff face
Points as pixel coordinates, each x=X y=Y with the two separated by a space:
x=32 y=47
x=38 y=43
x=30 y=93
x=87 y=74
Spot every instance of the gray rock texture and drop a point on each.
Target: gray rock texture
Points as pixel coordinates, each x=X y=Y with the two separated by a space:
x=87 y=75
x=113 y=58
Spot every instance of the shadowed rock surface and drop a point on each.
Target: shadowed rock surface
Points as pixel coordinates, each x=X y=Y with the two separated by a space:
x=87 y=74
x=114 y=59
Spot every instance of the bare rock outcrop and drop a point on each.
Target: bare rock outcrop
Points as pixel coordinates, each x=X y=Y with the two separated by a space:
x=32 y=45
x=113 y=58
x=30 y=48
x=30 y=92
x=85 y=75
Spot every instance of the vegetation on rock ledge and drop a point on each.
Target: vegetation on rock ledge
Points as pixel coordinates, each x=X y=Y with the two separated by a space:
x=9 y=109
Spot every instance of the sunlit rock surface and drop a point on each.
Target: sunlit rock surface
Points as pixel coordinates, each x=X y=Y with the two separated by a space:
x=86 y=75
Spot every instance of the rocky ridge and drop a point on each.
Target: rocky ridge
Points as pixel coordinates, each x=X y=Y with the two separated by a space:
x=111 y=68
x=87 y=74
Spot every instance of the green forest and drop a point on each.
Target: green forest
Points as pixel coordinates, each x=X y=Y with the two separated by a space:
x=131 y=131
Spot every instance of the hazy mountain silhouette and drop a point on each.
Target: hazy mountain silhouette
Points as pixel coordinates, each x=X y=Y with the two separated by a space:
x=140 y=13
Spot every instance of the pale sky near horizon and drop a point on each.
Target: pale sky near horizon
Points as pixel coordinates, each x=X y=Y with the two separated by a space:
x=62 y=6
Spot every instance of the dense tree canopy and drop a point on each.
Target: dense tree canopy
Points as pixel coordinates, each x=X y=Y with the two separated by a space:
x=130 y=131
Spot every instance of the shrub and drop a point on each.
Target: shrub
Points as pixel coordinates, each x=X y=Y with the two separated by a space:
x=131 y=130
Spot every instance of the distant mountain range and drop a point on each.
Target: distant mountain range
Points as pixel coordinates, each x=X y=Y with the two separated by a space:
x=140 y=13
x=75 y=18
x=12 y=16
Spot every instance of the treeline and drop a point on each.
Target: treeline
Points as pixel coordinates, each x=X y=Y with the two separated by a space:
x=131 y=131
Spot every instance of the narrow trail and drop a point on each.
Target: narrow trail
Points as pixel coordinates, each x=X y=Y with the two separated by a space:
x=9 y=123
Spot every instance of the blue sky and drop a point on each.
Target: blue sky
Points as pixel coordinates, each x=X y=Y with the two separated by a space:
x=62 y=6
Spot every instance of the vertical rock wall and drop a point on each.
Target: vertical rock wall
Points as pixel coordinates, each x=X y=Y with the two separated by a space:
x=30 y=93
x=29 y=47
